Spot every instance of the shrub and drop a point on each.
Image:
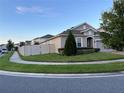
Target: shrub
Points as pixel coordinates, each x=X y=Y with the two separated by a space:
x=70 y=45
x=97 y=49
x=83 y=50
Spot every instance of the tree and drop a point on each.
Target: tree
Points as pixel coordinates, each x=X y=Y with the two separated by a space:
x=10 y=45
x=113 y=24
x=70 y=45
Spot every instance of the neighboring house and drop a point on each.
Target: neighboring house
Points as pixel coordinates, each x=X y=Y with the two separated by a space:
x=41 y=39
x=85 y=36
x=28 y=42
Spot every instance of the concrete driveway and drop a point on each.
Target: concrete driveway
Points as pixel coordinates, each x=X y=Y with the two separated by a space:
x=21 y=84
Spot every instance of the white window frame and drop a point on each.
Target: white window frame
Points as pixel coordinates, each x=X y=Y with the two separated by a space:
x=77 y=42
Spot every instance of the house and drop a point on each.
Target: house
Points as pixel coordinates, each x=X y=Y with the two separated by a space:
x=85 y=36
x=38 y=40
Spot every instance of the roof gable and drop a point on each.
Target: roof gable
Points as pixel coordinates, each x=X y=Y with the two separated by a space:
x=80 y=28
x=89 y=29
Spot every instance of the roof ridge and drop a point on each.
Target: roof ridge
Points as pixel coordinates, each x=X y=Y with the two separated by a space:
x=82 y=24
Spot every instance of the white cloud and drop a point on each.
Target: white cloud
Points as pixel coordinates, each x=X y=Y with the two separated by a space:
x=33 y=9
x=44 y=12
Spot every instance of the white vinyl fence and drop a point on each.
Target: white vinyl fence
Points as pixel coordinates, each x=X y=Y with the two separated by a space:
x=36 y=49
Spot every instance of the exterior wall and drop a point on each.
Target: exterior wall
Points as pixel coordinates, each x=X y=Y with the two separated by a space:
x=89 y=33
x=84 y=42
x=47 y=48
x=56 y=42
x=97 y=42
x=63 y=40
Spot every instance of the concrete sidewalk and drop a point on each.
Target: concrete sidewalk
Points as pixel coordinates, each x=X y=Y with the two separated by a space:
x=16 y=59
x=1 y=55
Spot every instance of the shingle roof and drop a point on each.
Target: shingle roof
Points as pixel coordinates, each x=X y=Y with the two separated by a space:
x=75 y=31
x=46 y=36
x=88 y=26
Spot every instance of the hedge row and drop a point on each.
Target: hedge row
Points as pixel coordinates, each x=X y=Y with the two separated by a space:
x=83 y=50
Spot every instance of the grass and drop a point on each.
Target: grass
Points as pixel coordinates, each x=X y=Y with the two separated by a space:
x=92 y=68
x=78 y=58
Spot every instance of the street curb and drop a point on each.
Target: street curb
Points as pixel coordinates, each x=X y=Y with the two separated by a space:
x=44 y=75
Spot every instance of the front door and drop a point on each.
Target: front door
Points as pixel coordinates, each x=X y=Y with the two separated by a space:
x=90 y=42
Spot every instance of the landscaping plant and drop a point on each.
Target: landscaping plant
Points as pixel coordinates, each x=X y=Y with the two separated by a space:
x=70 y=45
x=113 y=24
x=10 y=45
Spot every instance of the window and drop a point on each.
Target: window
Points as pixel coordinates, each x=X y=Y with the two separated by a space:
x=78 y=42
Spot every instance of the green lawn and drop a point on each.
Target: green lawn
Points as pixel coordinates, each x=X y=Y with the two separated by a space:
x=79 y=58
x=95 y=68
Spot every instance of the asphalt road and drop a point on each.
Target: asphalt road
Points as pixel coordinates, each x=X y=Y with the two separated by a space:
x=16 y=84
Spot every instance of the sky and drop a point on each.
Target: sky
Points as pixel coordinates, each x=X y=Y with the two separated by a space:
x=22 y=20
